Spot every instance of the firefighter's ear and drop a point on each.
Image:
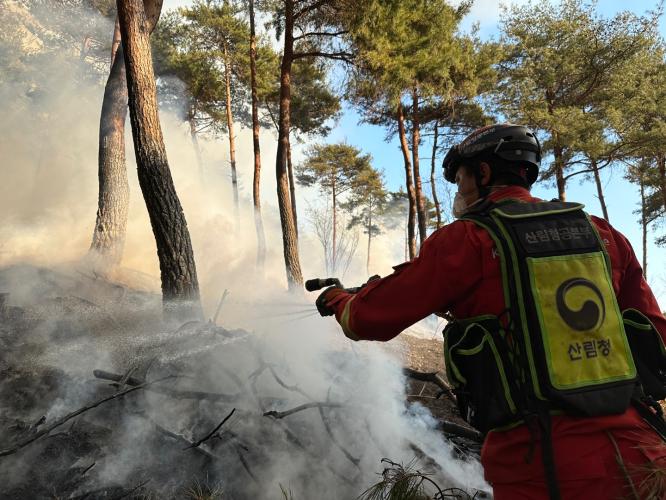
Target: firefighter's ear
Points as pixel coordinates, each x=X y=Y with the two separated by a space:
x=486 y=173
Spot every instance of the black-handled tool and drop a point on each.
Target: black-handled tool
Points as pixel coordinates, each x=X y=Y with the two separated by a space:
x=319 y=283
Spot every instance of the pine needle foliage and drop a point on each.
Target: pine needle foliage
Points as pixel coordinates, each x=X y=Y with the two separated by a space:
x=404 y=482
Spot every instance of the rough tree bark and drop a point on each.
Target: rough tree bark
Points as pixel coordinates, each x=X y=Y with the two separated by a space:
x=334 y=256
x=230 y=129
x=433 y=185
x=108 y=241
x=292 y=189
x=644 y=223
x=115 y=43
x=409 y=181
x=418 y=186
x=661 y=164
x=600 y=188
x=367 y=262
x=559 y=172
x=180 y=288
x=195 y=140
x=558 y=151
x=258 y=220
x=289 y=238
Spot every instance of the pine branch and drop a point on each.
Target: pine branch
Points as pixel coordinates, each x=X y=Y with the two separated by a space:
x=310 y=8
x=338 y=56
x=320 y=33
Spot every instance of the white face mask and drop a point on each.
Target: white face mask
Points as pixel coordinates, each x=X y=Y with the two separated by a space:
x=460 y=206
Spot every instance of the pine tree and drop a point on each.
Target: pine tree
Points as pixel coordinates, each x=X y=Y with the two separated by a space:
x=337 y=169
x=560 y=59
x=366 y=203
x=180 y=287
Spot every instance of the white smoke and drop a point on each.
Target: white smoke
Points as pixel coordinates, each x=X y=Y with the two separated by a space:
x=48 y=197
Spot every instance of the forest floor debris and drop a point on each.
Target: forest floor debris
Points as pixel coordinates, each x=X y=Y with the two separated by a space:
x=190 y=404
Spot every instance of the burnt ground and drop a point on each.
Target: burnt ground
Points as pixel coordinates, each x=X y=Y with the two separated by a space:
x=72 y=460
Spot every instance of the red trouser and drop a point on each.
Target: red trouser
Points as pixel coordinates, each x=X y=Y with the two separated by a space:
x=603 y=465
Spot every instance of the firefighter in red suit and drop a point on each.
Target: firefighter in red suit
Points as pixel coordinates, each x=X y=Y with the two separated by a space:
x=458 y=271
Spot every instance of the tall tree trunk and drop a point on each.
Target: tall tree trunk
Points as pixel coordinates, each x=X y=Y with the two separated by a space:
x=334 y=257
x=108 y=239
x=433 y=185
x=180 y=288
x=600 y=188
x=559 y=172
x=558 y=153
x=115 y=43
x=416 y=139
x=289 y=238
x=409 y=181
x=367 y=262
x=195 y=142
x=661 y=164
x=292 y=189
x=407 y=257
x=644 y=222
x=258 y=220
x=232 y=139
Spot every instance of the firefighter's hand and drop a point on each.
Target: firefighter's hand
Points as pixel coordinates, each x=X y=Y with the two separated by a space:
x=325 y=296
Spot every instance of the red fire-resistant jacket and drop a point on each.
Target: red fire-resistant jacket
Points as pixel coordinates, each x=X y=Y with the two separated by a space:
x=458 y=270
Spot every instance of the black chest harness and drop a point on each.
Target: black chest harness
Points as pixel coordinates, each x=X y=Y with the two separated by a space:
x=561 y=345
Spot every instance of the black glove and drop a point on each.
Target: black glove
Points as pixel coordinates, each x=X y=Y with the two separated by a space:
x=322 y=307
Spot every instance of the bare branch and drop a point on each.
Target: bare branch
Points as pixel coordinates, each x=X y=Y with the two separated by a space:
x=212 y=433
x=174 y=393
x=310 y=8
x=339 y=56
x=177 y=437
x=590 y=170
x=76 y=413
x=219 y=305
x=320 y=33
x=281 y=414
x=246 y=466
x=432 y=377
x=327 y=426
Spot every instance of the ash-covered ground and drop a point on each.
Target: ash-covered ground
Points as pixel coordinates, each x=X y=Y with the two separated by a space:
x=282 y=408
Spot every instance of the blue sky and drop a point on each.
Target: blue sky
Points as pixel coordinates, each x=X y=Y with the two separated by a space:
x=621 y=196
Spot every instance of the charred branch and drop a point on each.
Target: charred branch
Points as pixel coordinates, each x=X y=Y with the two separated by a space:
x=213 y=432
x=460 y=430
x=329 y=431
x=281 y=414
x=173 y=393
x=177 y=437
x=433 y=377
x=245 y=465
x=69 y=416
x=219 y=305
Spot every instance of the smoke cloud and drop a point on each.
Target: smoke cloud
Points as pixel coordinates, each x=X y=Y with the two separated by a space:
x=274 y=353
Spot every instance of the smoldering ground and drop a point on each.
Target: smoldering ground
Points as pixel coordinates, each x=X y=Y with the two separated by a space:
x=61 y=321
x=355 y=412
